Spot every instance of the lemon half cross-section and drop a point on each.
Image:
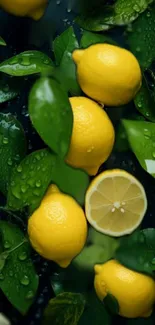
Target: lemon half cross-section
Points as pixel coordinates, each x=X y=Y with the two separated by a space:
x=115 y=203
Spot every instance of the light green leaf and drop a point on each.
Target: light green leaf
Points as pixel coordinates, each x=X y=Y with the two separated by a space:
x=145 y=103
x=65 y=309
x=89 y=38
x=26 y=63
x=18 y=279
x=108 y=243
x=51 y=114
x=141 y=137
x=2 y=42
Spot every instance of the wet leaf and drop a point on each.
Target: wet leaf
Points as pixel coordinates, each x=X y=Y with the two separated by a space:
x=26 y=63
x=65 y=309
x=18 y=278
x=89 y=38
x=141 y=137
x=141 y=39
x=124 y=12
x=145 y=103
x=63 y=47
x=51 y=114
x=2 y=42
x=12 y=147
x=70 y=180
x=9 y=87
x=30 y=180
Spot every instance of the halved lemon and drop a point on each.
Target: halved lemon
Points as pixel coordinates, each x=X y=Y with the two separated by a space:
x=115 y=203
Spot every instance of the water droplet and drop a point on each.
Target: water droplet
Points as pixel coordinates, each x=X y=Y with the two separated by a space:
x=22 y=256
x=17 y=158
x=46 y=61
x=147 y=114
x=19 y=169
x=147 y=133
x=1 y=276
x=153 y=261
x=10 y=162
x=25 y=61
x=153 y=154
x=5 y=140
x=38 y=183
x=11 y=273
x=7 y=244
x=30 y=295
x=13 y=61
x=139 y=105
x=136 y=8
x=138 y=49
x=148 y=14
x=25 y=280
x=23 y=188
x=58 y=2
x=38 y=157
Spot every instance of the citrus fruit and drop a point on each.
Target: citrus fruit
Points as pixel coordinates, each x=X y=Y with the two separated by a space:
x=115 y=203
x=92 y=136
x=107 y=73
x=135 y=292
x=30 y=8
x=58 y=228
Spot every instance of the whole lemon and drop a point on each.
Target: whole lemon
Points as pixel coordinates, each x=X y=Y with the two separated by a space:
x=92 y=136
x=58 y=228
x=30 y=8
x=135 y=292
x=107 y=73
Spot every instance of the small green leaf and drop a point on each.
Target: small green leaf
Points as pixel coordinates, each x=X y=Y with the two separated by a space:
x=141 y=137
x=141 y=39
x=124 y=12
x=70 y=180
x=51 y=114
x=9 y=87
x=65 y=309
x=30 y=180
x=145 y=103
x=12 y=147
x=111 y=304
x=89 y=38
x=63 y=47
x=2 y=42
x=18 y=278
x=26 y=63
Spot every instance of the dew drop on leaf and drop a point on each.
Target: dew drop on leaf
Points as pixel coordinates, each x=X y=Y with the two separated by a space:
x=10 y=162
x=22 y=256
x=10 y=273
x=25 y=280
x=7 y=244
x=30 y=295
x=38 y=183
x=1 y=276
x=19 y=169
x=23 y=188
x=5 y=140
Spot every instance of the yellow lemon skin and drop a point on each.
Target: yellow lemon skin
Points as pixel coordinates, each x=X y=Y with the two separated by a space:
x=107 y=73
x=58 y=228
x=30 y=8
x=135 y=292
x=92 y=136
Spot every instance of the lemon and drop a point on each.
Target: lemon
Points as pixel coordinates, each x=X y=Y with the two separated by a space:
x=135 y=292
x=30 y=8
x=115 y=203
x=107 y=73
x=92 y=136
x=58 y=228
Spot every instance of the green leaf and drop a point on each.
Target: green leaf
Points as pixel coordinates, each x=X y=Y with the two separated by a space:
x=141 y=39
x=124 y=12
x=141 y=321
x=65 y=309
x=95 y=312
x=145 y=103
x=2 y=42
x=9 y=87
x=70 y=180
x=137 y=251
x=30 y=180
x=109 y=244
x=141 y=137
x=51 y=114
x=18 y=279
x=12 y=147
x=63 y=47
x=111 y=304
x=89 y=38
x=121 y=141
x=26 y=63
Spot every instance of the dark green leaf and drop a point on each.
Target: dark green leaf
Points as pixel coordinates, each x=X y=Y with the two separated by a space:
x=89 y=38
x=137 y=251
x=70 y=180
x=9 y=87
x=30 y=180
x=124 y=12
x=95 y=312
x=141 y=39
x=12 y=147
x=63 y=46
x=65 y=309
x=18 y=279
x=51 y=114
x=2 y=42
x=141 y=321
x=111 y=304
x=121 y=141
x=26 y=63
x=141 y=137
x=145 y=103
